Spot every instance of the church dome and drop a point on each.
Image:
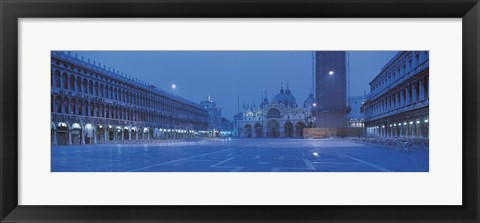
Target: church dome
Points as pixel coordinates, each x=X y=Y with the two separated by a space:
x=309 y=101
x=285 y=98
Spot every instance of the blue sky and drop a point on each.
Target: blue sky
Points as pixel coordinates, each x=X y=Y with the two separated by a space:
x=224 y=75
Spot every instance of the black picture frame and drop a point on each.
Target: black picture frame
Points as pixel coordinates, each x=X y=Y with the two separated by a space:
x=11 y=11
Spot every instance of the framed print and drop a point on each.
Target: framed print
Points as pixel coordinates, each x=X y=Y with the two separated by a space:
x=239 y=111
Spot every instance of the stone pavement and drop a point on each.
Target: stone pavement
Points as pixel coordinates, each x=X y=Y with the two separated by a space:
x=244 y=155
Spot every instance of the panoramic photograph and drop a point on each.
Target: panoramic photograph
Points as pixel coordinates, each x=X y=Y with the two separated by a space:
x=239 y=111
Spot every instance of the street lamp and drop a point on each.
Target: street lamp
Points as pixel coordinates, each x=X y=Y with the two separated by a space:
x=174 y=86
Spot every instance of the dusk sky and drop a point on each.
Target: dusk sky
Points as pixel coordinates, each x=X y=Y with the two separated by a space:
x=225 y=75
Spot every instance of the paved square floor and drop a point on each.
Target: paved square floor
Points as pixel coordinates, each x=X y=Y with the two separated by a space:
x=244 y=155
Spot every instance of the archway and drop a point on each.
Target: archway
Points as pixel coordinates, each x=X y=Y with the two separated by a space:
x=88 y=133
x=273 y=128
x=52 y=134
x=156 y=133
x=126 y=134
x=146 y=133
x=299 y=128
x=258 y=130
x=100 y=134
x=118 y=131
x=248 y=131
x=140 y=133
x=288 y=129
x=111 y=133
x=273 y=113
x=76 y=134
x=134 y=133
x=62 y=134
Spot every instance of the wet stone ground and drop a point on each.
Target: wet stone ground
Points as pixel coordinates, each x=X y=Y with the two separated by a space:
x=238 y=155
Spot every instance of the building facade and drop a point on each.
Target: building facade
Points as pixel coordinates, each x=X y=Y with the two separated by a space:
x=227 y=125
x=398 y=102
x=355 y=117
x=281 y=118
x=214 y=116
x=331 y=89
x=91 y=104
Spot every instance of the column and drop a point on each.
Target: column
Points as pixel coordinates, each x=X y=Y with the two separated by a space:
x=54 y=137
x=54 y=102
x=69 y=137
x=402 y=102
x=421 y=89
x=414 y=129
x=105 y=134
x=397 y=100
x=95 y=134
x=82 y=134
x=407 y=91
x=129 y=133
x=414 y=93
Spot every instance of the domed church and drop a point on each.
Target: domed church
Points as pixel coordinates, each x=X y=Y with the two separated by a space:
x=281 y=118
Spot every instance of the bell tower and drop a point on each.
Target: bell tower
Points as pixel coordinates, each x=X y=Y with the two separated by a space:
x=331 y=89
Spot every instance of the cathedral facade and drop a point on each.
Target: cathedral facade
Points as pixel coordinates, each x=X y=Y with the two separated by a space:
x=283 y=117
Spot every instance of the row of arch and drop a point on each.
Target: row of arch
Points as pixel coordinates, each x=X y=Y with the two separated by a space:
x=81 y=107
x=417 y=127
x=63 y=133
x=273 y=129
x=130 y=95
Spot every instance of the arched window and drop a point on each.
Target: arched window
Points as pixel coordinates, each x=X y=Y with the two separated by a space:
x=78 y=83
x=56 y=79
x=72 y=82
x=65 y=80
x=65 y=106
x=90 y=87
x=273 y=113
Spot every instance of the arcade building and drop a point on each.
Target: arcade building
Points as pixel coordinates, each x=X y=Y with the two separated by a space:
x=397 y=105
x=91 y=104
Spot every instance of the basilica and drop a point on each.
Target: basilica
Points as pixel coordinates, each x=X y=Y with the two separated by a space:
x=283 y=117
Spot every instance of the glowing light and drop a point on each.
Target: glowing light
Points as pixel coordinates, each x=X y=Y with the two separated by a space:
x=76 y=126
x=314 y=104
x=418 y=122
x=316 y=154
x=411 y=123
x=426 y=120
x=174 y=86
x=331 y=72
